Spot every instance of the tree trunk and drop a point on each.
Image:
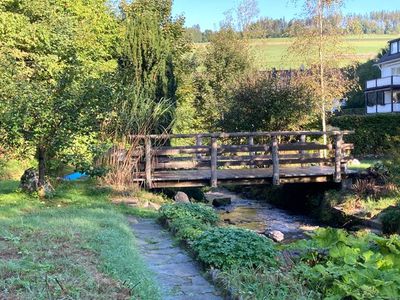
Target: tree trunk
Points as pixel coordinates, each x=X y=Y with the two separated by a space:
x=41 y=153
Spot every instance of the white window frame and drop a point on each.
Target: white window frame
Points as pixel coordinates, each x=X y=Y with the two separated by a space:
x=394 y=47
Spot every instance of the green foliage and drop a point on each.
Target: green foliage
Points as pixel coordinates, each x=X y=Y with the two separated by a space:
x=196 y=211
x=51 y=52
x=83 y=243
x=226 y=60
x=265 y=103
x=373 y=134
x=226 y=247
x=391 y=220
x=267 y=283
x=342 y=265
x=188 y=228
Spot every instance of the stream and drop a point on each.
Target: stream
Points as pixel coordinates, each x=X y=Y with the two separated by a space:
x=261 y=217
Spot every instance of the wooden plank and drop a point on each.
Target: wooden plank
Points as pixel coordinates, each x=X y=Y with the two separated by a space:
x=275 y=161
x=199 y=142
x=244 y=134
x=302 y=152
x=338 y=158
x=214 y=160
x=148 y=163
x=251 y=153
x=304 y=146
x=181 y=150
x=243 y=148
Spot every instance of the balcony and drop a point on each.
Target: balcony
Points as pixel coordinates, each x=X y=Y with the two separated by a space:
x=383 y=82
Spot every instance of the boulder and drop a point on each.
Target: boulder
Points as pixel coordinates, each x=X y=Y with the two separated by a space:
x=275 y=235
x=30 y=181
x=217 y=202
x=181 y=197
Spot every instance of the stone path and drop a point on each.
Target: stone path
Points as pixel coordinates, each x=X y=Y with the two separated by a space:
x=177 y=273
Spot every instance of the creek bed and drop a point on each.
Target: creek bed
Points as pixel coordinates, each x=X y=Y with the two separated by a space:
x=261 y=217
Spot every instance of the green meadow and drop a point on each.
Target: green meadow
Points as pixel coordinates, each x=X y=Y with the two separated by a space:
x=270 y=53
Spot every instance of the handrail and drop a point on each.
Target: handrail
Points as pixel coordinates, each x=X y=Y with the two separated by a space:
x=274 y=147
x=244 y=134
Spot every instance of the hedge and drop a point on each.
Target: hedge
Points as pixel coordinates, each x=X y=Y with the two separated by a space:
x=373 y=134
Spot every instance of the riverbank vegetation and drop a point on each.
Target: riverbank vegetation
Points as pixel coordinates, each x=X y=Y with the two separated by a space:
x=331 y=264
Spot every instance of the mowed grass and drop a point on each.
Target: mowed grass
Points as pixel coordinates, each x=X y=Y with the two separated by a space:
x=270 y=53
x=76 y=245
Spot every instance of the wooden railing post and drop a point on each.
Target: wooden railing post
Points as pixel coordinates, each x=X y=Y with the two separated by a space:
x=275 y=161
x=148 y=159
x=338 y=158
x=199 y=142
x=302 y=152
x=214 y=154
x=251 y=143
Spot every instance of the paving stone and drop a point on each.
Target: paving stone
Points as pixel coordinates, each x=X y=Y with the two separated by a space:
x=178 y=275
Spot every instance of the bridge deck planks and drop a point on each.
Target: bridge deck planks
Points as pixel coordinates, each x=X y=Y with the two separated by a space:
x=171 y=178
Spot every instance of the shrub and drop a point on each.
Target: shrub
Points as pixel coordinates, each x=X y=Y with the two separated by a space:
x=362 y=266
x=196 y=211
x=225 y=247
x=391 y=221
x=373 y=134
x=187 y=228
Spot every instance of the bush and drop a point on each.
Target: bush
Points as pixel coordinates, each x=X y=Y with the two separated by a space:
x=196 y=211
x=373 y=134
x=391 y=221
x=226 y=247
x=187 y=228
x=345 y=266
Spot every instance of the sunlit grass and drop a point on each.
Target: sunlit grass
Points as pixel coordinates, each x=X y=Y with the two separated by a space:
x=76 y=245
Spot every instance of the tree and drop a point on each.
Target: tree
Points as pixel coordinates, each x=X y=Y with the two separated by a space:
x=153 y=44
x=319 y=45
x=225 y=62
x=264 y=103
x=50 y=54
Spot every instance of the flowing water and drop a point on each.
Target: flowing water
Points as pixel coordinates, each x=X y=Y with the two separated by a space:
x=262 y=217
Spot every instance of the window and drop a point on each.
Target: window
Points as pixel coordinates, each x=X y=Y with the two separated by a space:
x=396 y=96
x=371 y=99
x=380 y=98
x=394 y=47
x=395 y=71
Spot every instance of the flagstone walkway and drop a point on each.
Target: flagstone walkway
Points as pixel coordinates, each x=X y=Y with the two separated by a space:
x=178 y=275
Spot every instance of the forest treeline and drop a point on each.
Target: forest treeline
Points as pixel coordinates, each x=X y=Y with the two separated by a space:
x=377 y=22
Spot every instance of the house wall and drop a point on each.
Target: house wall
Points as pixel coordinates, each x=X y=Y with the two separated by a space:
x=386 y=69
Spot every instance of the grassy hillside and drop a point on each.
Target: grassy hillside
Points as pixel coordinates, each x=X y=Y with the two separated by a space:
x=268 y=53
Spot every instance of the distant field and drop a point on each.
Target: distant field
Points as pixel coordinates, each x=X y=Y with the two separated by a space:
x=268 y=53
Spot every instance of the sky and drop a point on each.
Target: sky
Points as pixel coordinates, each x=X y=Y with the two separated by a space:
x=209 y=13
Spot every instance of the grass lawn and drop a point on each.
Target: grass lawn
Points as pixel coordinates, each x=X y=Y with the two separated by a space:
x=269 y=53
x=76 y=245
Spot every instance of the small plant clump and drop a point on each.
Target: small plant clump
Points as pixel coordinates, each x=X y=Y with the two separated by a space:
x=196 y=211
x=225 y=247
x=188 y=220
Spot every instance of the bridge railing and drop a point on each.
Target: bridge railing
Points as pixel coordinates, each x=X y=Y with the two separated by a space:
x=240 y=150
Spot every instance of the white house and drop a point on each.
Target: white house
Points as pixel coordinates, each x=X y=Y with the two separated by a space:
x=382 y=95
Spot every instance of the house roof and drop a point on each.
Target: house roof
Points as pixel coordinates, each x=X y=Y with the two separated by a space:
x=394 y=40
x=388 y=57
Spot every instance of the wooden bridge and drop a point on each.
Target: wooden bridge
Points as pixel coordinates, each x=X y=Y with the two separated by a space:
x=242 y=158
